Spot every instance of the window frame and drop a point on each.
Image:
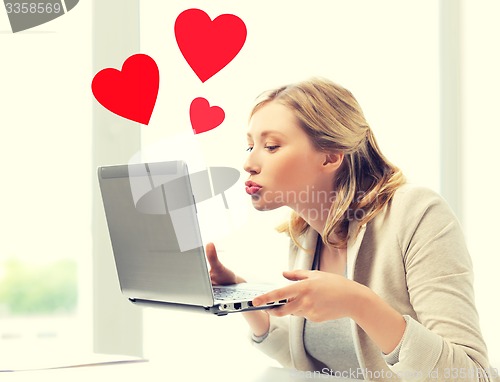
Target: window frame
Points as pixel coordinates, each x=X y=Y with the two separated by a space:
x=117 y=324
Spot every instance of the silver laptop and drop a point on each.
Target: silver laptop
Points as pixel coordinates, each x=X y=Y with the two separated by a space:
x=159 y=255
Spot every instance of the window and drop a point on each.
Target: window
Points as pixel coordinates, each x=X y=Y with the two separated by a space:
x=46 y=156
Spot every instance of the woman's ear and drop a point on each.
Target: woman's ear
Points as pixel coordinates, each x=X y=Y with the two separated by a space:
x=333 y=161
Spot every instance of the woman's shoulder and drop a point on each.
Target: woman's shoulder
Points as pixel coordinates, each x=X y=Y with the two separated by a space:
x=414 y=204
x=415 y=192
x=414 y=197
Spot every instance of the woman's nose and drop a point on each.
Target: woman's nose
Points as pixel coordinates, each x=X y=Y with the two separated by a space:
x=250 y=165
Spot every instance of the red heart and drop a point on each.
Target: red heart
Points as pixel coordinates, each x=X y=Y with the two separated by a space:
x=131 y=93
x=208 y=46
x=203 y=117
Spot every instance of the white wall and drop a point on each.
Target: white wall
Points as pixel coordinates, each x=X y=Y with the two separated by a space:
x=481 y=139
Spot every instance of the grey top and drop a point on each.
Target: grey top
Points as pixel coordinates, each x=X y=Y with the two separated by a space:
x=330 y=342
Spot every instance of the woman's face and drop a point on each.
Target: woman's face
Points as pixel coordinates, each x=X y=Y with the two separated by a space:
x=285 y=169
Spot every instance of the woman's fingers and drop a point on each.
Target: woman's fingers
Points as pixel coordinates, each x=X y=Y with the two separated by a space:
x=211 y=253
x=219 y=274
x=297 y=275
x=291 y=307
x=288 y=292
x=213 y=259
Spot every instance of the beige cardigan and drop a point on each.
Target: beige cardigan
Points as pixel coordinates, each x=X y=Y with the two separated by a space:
x=413 y=255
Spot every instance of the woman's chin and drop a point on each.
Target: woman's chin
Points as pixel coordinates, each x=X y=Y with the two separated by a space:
x=264 y=200
x=260 y=205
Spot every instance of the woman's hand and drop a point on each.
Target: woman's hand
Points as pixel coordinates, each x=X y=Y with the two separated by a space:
x=321 y=296
x=219 y=274
x=317 y=296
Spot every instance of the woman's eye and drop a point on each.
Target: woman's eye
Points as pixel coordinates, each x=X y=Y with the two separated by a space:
x=269 y=148
x=272 y=148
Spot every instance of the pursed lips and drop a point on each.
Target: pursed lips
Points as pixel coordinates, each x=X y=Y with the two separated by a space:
x=252 y=187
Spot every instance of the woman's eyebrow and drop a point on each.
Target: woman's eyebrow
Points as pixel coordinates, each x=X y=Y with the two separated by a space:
x=265 y=133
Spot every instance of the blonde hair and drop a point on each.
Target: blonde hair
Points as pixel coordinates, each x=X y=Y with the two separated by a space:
x=334 y=121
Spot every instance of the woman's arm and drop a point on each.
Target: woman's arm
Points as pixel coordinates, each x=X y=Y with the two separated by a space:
x=383 y=324
x=258 y=320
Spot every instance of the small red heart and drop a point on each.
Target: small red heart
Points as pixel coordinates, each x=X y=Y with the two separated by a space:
x=131 y=93
x=208 y=46
x=203 y=117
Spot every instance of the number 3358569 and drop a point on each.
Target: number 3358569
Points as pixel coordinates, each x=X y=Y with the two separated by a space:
x=33 y=8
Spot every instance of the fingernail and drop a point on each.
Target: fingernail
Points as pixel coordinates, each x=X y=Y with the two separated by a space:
x=256 y=302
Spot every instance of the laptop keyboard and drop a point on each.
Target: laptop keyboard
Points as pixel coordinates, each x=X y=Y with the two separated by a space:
x=225 y=294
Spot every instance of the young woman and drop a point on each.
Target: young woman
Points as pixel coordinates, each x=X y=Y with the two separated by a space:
x=384 y=285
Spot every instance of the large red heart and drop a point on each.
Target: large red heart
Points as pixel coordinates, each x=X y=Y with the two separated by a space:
x=208 y=46
x=203 y=117
x=131 y=93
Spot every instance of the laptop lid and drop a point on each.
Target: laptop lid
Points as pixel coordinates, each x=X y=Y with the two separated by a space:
x=154 y=231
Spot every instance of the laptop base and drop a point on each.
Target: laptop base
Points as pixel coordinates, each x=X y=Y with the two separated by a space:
x=217 y=310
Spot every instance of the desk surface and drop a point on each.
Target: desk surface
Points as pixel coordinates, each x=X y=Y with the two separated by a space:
x=165 y=371
x=154 y=371
x=147 y=371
